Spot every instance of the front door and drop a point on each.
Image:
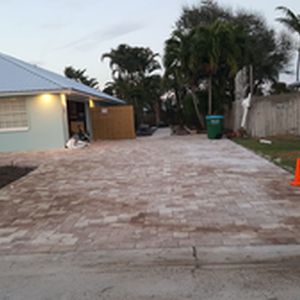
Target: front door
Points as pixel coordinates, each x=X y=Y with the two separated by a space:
x=76 y=117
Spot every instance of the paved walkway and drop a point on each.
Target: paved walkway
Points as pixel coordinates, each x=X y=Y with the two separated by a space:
x=159 y=192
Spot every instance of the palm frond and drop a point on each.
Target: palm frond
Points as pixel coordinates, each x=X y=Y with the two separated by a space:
x=290 y=19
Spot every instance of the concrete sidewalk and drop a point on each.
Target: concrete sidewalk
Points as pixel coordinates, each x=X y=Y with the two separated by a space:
x=266 y=273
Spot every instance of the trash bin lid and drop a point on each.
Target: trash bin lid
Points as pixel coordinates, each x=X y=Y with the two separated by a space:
x=214 y=117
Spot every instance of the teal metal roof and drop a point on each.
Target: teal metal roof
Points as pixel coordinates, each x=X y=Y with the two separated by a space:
x=17 y=76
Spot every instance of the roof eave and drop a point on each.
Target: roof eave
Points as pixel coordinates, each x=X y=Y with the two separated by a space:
x=60 y=91
x=32 y=93
x=98 y=98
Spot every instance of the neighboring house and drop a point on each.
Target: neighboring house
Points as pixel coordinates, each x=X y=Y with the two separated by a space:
x=40 y=109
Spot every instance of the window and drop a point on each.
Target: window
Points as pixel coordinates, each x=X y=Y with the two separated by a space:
x=13 y=115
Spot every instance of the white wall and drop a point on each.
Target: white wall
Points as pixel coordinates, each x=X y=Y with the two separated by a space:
x=48 y=127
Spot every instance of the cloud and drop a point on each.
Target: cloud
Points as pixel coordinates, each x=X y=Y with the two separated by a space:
x=121 y=29
x=53 y=26
x=99 y=36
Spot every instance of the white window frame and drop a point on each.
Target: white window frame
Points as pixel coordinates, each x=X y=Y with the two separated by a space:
x=15 y=129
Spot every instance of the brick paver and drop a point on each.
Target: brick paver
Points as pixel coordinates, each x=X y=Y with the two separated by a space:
x=149 y=193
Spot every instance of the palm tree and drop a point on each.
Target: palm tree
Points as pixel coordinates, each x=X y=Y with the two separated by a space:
x=120 y=61
x=80 y=76
x=219 y=52
x=207 y=54
x=174 y=77
x=133 y=68
x=292 y=22
x=182 y=70
x=132 y=62
x=197 y=56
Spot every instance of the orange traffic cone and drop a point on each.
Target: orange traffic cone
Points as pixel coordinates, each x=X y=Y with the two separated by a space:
x=296 y=182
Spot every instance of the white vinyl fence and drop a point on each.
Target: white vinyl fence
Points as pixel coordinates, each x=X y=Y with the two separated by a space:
x=268 y=116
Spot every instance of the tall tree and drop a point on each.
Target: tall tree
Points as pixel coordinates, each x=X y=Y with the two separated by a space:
x=292 y=22
x=204 y=14
x=132 y=62
x=79 y=75
x=193 y=58
x=217 y=52
x=210 y=44
x=174 y=77
x=135 y=78
x=274 y=51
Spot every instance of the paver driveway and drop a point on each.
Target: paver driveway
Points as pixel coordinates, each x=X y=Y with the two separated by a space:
x=149 y=193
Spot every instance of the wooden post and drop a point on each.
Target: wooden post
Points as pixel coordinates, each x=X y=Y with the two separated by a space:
x=210 y=95
x=251 y=79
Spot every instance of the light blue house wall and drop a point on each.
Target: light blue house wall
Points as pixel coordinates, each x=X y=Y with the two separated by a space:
x=48 y=128
x=47 y=120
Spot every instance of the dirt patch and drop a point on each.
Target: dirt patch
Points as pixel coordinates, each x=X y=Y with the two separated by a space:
x=9 y=174
x=295 y=221
x=152 y=220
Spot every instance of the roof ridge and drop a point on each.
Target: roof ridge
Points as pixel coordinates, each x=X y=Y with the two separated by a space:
x=18 y=64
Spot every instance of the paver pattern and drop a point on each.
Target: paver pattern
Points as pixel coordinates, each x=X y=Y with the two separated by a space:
x=164 y=191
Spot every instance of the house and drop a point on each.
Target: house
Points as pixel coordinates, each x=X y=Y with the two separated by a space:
x=40 y=109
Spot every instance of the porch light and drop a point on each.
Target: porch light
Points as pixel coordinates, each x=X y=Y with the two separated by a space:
x=63 y=100
x=91 y=103
x=46 y=98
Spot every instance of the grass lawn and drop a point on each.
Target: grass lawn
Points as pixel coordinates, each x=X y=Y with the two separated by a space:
x=284 y=149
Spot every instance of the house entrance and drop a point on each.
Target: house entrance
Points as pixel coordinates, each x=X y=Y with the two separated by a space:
x=76 y=117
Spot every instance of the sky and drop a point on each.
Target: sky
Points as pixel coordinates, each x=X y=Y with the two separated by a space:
x=58 y=33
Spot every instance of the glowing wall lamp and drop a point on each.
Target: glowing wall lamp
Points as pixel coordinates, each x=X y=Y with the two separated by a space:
x=91 y=103
x=46 y=98
x=63 y=100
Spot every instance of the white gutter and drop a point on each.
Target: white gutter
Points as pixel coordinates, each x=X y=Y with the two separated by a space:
x=33 y=93
x=67 y=92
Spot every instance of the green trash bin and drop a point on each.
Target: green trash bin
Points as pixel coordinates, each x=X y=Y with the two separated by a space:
x=214 y=127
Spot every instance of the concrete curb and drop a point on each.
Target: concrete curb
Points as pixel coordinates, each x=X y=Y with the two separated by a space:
x=198 y=258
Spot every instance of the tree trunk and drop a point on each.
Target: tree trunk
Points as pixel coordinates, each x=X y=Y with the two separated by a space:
x=157 y=112
x=251 y=79
x=179 y=112
x=195 y=102
x=139 y=113
x=210 y=95
x=298 y=66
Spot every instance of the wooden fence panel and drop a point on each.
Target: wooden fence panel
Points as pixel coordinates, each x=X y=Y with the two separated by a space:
x=113 y=122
